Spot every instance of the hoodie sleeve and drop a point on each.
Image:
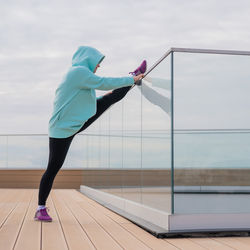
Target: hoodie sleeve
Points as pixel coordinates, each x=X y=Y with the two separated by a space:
x=86 y=79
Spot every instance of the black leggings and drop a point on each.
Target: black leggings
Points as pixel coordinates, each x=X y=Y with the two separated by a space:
x=58 y=147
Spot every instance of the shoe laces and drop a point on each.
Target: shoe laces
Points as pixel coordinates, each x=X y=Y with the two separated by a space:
x=44 y=211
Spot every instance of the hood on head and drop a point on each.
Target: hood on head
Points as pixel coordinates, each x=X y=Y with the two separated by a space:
x=88 y=57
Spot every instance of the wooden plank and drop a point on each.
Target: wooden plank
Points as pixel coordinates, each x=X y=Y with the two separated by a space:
x=138 y=232
x=149 y=239
x=30 y=234
x=245 y=240
x=10 y=203
x=234 y=242
x=7 y=192
x=52 y=232
x=141 y=234
x=78 y=223
x=116 y=217
x=4 y=194
x=75 y=235
x=185 y=244
x=210 y=244
x=11 y=227
x=99 y=237
x=127 y=240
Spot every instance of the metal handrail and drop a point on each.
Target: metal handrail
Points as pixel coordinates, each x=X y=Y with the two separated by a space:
x=205 y=51
x=212 y=51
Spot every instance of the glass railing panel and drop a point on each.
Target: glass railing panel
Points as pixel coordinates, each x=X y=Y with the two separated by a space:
x=93 y=150
x=116 y=149
x=211 y=136
x=156 y=137
x=132 y=145
x=77 y=156
x=104 y=140
x=116 y=154
x=98 y=158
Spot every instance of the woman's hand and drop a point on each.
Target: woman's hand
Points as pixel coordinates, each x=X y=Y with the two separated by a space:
x=138 y=78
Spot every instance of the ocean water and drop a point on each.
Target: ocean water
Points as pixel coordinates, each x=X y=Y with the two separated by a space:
x=212 y=149
x=218 y=149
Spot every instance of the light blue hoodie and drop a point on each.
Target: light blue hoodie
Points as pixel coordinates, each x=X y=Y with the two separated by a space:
x=75 y=97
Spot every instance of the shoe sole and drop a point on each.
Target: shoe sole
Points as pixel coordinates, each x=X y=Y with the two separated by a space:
x=42 y=220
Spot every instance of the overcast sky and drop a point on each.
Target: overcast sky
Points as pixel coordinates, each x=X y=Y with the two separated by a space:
x=38 y=39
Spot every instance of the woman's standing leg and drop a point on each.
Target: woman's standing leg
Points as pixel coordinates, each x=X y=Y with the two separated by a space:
x=58 y=148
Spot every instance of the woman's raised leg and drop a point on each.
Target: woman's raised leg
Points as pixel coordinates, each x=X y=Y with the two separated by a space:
x=104 y=102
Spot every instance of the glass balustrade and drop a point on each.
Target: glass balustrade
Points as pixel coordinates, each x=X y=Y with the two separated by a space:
x=179 y=145
x=211 y=133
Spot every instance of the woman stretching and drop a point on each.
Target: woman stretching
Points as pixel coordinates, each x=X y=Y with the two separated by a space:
x=75 y=108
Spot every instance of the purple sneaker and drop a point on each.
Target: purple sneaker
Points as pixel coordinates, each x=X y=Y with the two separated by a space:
x=141 y=69
x=42 y=215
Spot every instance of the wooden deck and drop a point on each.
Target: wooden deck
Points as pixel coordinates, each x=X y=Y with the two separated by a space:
x=81 y=223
